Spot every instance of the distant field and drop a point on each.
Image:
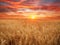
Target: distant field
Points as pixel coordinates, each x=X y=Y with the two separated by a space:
x=29 y=32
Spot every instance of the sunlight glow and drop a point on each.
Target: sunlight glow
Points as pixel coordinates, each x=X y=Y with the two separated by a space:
x=32 y=16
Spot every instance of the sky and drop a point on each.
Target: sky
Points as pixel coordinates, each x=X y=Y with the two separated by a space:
x=12 y=5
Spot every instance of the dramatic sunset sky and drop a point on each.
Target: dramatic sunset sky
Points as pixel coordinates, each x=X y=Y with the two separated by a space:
x=12 y=5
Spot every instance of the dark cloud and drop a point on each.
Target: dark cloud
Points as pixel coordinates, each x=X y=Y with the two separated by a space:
x=4 y=4
x=50 y=1
x=15 y=0
x=4 y=9
x=7 y=10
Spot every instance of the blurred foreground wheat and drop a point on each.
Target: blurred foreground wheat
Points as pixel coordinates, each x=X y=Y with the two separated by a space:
x=23 y=32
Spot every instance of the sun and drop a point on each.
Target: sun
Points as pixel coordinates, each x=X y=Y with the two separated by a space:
x=32 y=16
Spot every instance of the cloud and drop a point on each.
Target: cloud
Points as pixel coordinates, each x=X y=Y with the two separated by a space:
x=13 y=5
x=50 y=2
x=47 y=1
x=7 y=10
x=4 y=4
x=15 y=0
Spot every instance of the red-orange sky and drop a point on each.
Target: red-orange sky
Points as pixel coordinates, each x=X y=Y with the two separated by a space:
x=13 y=5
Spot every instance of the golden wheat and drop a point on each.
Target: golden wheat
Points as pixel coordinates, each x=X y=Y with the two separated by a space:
x=24 y=32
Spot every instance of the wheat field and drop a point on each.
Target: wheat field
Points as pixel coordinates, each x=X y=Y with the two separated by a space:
x=28 y=32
